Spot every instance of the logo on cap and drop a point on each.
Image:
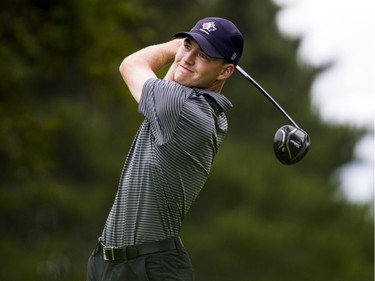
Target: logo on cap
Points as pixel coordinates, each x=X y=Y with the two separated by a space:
x=208 y=27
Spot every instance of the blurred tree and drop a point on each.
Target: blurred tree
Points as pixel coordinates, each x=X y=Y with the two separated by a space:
x=61 y=102
x=67 y=121
x=258 y=219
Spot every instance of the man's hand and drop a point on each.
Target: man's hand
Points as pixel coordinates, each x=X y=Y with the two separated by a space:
x=170 y=74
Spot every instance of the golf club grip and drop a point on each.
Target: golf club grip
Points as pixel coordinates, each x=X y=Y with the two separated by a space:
x=250 y=79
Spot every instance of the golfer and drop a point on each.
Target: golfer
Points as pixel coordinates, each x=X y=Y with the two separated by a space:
x=171 y=155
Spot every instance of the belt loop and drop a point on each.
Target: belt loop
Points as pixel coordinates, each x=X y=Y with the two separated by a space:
x=97 y=247
x=178 y=242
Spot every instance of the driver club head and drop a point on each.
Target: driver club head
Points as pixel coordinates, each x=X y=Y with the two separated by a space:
x=290 y=144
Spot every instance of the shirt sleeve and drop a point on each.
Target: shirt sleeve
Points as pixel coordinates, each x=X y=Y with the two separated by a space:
x=161 y=103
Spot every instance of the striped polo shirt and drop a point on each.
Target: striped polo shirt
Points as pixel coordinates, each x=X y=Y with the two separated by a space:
x=168 y=162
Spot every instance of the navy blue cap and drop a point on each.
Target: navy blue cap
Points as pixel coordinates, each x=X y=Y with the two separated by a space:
x=218 y=38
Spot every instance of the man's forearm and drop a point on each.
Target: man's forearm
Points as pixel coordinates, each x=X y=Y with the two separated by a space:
x=155 y=56
x=138 y=67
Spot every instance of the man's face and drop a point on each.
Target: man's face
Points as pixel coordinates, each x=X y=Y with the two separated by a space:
x=196 y=69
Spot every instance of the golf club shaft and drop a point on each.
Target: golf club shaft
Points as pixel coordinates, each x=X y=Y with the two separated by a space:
x=249 y=78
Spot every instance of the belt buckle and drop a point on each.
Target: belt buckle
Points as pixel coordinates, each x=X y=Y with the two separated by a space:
x=108 y=253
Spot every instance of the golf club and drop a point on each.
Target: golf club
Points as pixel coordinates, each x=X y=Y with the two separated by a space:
x=290 y=143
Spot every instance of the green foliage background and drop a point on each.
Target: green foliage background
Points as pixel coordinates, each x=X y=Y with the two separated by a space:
x=67 y=121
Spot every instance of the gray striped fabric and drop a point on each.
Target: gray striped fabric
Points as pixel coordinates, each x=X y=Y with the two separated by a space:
x=168 y=162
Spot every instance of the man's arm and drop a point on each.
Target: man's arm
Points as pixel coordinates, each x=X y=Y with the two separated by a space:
x=142 y=65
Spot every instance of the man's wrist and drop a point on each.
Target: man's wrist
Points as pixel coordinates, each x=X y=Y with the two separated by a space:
x=170 y=50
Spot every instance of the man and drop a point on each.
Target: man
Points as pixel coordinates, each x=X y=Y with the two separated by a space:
x=171 y=155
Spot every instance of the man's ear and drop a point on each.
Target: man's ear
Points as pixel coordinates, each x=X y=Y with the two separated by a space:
x=226 y=71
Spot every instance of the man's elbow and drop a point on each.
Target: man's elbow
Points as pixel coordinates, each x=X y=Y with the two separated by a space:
x=125 y=67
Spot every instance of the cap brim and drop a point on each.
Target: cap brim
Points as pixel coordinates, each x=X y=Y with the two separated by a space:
x=203 y=43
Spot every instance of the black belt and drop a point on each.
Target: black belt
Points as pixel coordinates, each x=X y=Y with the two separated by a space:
x=131 y=252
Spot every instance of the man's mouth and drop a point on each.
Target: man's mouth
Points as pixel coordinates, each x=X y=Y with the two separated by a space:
x=186 y=68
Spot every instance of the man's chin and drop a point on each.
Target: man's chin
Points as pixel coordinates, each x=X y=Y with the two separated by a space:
x=185 y=82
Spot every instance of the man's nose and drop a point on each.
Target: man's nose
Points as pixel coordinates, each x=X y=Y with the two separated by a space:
x=189 y=58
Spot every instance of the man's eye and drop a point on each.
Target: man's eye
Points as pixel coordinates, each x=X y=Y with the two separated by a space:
x=203 y=56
